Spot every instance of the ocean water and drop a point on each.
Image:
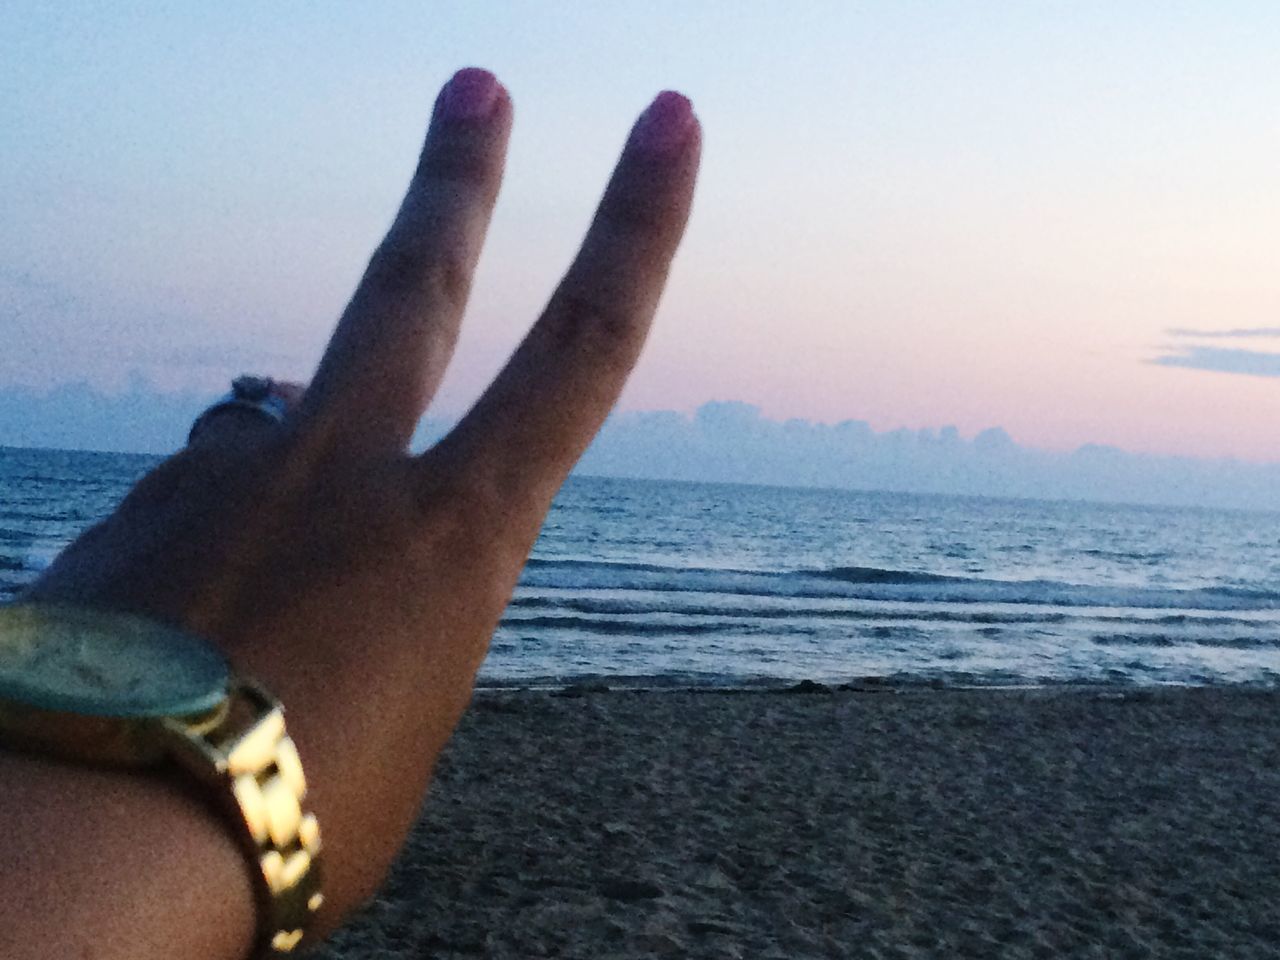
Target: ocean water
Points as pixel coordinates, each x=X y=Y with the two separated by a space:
x=657 y=583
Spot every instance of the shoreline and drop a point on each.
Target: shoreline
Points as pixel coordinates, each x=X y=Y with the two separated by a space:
x=1035 y=823
x=604 y=684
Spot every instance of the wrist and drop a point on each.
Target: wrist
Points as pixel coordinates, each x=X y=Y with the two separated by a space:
x=116 y=864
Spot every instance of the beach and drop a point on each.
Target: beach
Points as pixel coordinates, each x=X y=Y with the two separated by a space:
x=873 y=822
x=1071 y=749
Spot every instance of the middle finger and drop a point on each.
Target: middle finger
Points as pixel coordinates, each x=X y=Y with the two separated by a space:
x=389 y=352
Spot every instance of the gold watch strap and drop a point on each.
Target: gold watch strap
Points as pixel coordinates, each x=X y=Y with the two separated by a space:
x=250 y=758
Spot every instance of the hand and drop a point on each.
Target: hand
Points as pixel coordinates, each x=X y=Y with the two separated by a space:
x=359 y=583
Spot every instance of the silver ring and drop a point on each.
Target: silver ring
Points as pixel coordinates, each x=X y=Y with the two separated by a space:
x=248 y=392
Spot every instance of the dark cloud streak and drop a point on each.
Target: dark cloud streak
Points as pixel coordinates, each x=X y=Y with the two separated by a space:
x=1253 y=363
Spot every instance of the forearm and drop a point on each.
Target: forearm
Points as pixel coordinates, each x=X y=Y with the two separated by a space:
x=107 y=864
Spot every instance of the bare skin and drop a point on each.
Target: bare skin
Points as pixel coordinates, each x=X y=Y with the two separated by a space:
x=359 y=583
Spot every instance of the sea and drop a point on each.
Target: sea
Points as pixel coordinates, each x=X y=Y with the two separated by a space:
x=674 y=584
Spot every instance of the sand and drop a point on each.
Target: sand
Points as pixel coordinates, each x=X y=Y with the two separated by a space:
x=913 y=823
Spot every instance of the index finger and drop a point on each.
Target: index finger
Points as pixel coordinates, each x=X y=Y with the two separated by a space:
x=535 y=420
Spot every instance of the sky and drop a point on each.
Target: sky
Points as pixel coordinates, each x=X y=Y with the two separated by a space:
x=1052 y=219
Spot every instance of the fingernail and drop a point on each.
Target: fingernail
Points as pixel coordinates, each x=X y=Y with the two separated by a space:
x=665 y=126
x=469 y=95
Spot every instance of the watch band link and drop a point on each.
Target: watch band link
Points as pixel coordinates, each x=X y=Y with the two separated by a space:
x=249 y=754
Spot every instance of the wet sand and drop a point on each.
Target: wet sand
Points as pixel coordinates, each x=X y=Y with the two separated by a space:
x=1062 y=823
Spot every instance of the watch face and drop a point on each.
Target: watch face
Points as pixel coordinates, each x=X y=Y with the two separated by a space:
x=105 y=664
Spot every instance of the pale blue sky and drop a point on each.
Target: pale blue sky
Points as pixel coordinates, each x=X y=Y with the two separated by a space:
x=911 y=213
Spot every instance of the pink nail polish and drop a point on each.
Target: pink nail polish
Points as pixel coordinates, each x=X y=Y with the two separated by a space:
x=665 y=126
x=469 y=95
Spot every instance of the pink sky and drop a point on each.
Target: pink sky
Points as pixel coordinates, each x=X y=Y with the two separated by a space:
x=912 y=216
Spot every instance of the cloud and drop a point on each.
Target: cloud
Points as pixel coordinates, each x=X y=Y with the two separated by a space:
x=77 y=416
x=724 y=443
x=734 y=443
x=1255 y=363
x=1233 y=332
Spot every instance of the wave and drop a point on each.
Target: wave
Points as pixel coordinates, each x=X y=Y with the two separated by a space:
x=877 y=575
x=29 y=516
x=1263 y=642
x=648 y=604
x=623 y=627
x=64 y=480
x=874 y=583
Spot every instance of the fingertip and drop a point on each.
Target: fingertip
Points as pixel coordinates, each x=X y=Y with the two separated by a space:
x=470 y=126
x=666 y=127
x=652 y=186
x=472 y=94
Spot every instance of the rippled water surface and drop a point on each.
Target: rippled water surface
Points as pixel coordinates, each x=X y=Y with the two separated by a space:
x=708 y=584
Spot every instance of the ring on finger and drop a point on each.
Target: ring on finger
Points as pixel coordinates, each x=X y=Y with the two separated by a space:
x=254 y=394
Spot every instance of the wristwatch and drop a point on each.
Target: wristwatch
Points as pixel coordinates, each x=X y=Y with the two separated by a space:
x=109 y=688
